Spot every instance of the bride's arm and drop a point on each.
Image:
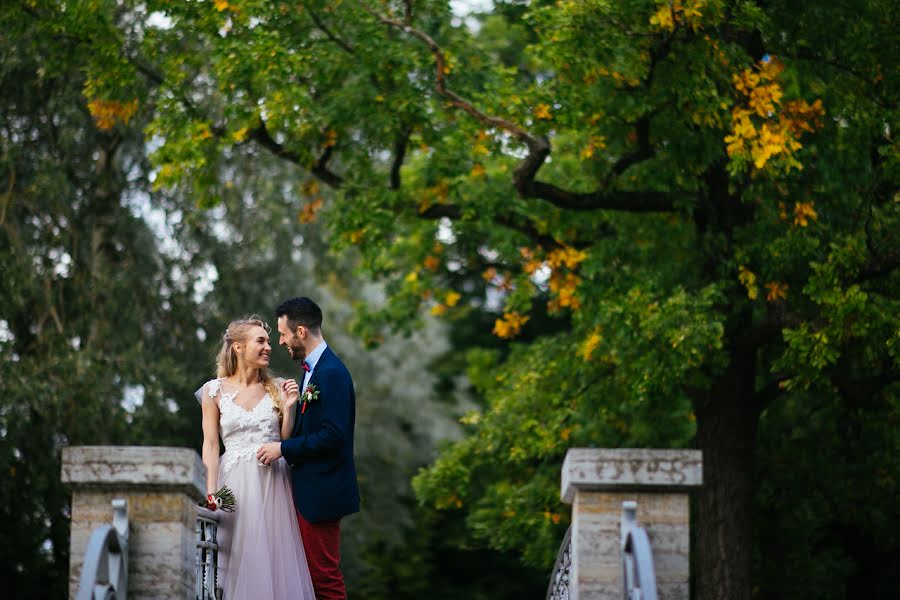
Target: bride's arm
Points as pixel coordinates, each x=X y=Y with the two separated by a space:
x=210 y=442
x=287 y=421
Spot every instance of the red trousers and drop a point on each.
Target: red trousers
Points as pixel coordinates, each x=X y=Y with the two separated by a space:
x=322 y=543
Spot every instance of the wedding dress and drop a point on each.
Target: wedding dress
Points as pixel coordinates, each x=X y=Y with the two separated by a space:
x=260 y=551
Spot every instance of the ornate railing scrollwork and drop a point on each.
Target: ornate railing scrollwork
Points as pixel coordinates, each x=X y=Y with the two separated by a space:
x=207 y=555
x=639 y=575
x=559 y=578
x=104 y=574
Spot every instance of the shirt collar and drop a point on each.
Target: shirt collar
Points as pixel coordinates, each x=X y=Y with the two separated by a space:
x=313 y=357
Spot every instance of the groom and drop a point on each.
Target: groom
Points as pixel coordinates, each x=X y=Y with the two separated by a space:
x=320 y=449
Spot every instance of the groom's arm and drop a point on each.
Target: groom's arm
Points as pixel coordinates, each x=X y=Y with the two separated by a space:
x=335 y=396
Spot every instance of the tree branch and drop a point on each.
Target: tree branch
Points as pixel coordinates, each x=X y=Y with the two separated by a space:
x=454 y=98
x=449 y=211
x=769 y=393
x=879 y=266
x=262 y=136
x=400 y=145
x=346 y=46
x=644 y=150
x=539 y=148
x=863 y=391
x=625 y=201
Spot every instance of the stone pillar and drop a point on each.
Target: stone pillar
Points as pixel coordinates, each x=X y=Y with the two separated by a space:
x=596 y=482
x=162 y=487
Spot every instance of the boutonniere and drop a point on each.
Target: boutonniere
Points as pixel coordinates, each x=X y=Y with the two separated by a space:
x=309 y=394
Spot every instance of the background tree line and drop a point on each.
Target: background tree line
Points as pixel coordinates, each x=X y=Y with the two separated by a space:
x=643 y=223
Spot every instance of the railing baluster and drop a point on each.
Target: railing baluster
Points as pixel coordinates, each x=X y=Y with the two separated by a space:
x=207 y=555
x=639 y=575
x=104 y=573
x=559 y=577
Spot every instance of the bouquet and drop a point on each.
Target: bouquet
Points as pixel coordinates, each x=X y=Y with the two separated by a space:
x=221 y=500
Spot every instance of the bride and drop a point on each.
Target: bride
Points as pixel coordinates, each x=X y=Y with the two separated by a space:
x=260 y=551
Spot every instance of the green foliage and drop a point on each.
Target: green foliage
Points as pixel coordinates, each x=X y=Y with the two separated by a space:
x=86 y=299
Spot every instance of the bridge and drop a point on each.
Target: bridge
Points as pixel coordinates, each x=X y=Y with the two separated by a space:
x=131 y=506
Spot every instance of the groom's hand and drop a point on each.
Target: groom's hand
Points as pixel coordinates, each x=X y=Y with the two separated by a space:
x=268 y=453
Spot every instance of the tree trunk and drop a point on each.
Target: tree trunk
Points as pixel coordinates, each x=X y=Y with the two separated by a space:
x=722 y=535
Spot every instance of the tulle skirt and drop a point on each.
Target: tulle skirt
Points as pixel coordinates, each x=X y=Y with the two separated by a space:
x=260 y=551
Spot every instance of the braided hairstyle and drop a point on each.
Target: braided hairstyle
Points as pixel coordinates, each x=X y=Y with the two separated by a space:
x=227 y=360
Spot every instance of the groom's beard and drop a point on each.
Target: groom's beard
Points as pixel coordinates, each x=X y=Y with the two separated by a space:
x=296 y=350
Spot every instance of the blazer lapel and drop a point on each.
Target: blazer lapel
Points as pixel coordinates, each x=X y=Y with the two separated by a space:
x=313 y=380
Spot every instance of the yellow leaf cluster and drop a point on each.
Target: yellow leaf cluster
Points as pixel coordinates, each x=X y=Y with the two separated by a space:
x=309 y=210
x=452 y=298
x=748 y=279
x=597 y=142
x=803 y=211
x=203 y=132
x=566 y=257
x=510 y=324
x=431 y=262
x=240 y=135
x=590 y=344
x=107 y=112
x=435 y=193
x=452 y=501
x=310 y=187
x=542 y=111
x=663 y=18
x=563 y=283
x=764 y=98
x=669 y=13
x=777 y=290
x=762 y=126
x=553 y=517
x=357 y=235
x=330 y=138
x=564 y=286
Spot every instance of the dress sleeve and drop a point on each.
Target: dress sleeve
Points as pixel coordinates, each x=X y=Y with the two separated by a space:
x=208 y=392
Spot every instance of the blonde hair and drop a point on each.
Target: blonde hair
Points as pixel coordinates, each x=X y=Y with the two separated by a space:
x=227 y=361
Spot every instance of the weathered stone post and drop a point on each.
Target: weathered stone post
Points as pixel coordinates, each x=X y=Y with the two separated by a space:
x=596 y=482
x=162 y=487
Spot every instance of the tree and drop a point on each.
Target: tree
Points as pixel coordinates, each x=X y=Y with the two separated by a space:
x=87 y=306
x=701 y=195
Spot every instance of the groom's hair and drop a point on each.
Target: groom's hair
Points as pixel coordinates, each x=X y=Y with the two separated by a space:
x=301 y=311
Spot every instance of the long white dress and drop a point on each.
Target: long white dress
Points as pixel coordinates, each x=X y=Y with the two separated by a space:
x=260 y=551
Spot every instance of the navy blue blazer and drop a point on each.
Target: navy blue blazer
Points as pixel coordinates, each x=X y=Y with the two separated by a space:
x=320 y=449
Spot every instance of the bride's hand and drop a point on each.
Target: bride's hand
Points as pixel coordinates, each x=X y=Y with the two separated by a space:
x=291 y=390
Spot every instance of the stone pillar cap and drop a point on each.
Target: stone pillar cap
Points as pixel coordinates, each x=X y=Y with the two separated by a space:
x=137 y=467
x=630 y=469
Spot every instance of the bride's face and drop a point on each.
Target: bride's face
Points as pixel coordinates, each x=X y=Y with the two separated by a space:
x=256 y=350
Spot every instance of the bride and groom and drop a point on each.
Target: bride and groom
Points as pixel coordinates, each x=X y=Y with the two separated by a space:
x=288 y=458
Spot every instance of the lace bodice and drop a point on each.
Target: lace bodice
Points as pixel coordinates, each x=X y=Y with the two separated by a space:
x=243 y=431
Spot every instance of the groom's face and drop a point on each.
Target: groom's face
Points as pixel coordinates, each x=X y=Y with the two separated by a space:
x=290 y=340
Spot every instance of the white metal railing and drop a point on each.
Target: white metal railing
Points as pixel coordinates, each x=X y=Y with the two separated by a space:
x=207 y=586
x=638 y=572
x=639 y=575
x=104 y=574
x=559 y=577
